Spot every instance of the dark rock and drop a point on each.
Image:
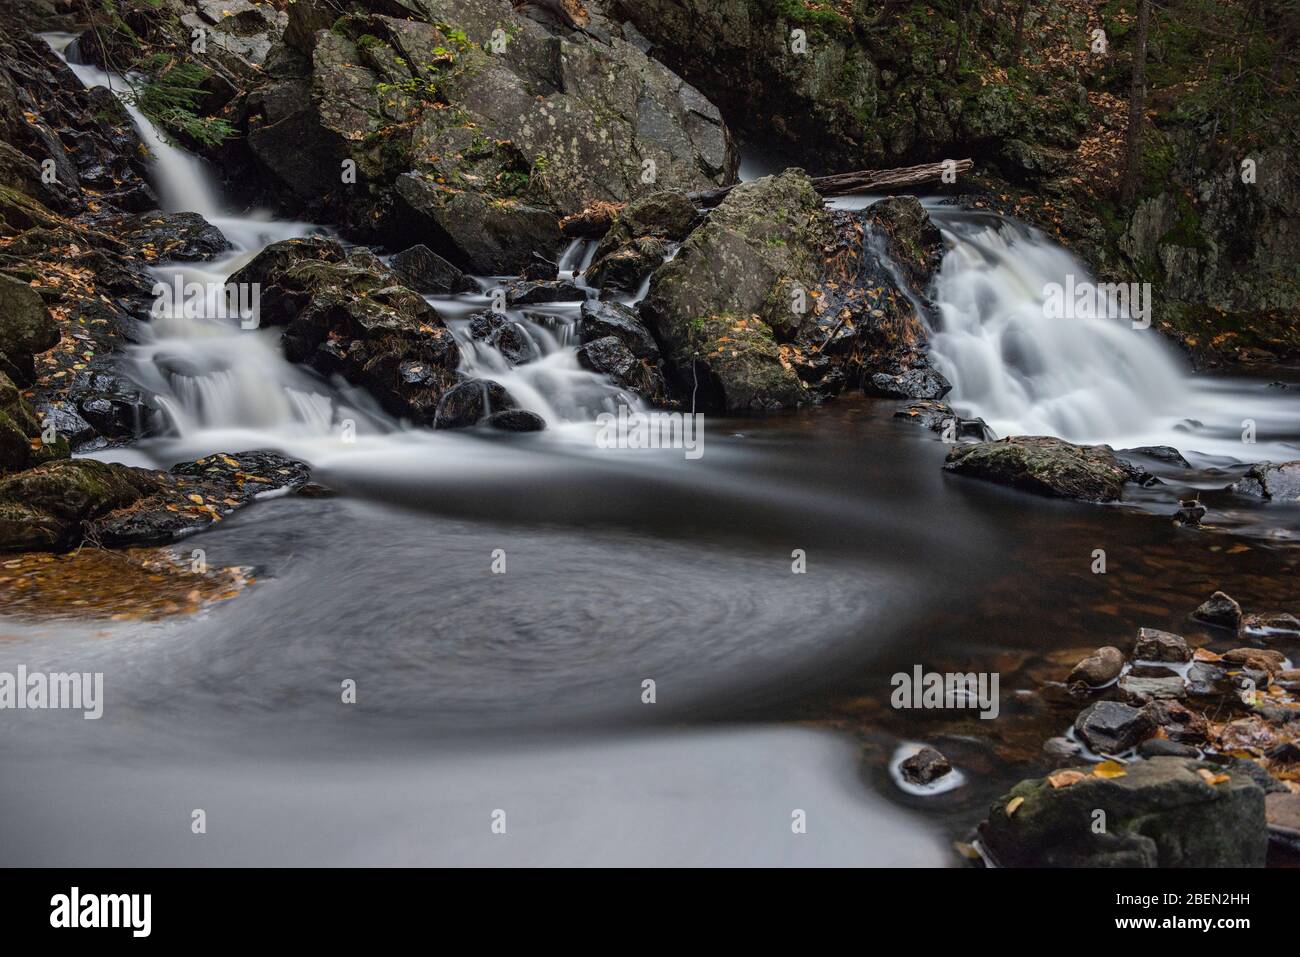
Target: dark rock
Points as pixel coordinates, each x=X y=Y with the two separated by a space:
x=1156 y=645
x=637 y=240
x=609 y=356
x=1271 y=626
x=939 y=417
x=1162 y=453
x=1111 y=727
x=539 y=293
x=1044 y=465
x=22 y=434
x=515 y=420
x=1190 y=512
x=44 y=508
x=1164 y=748
x=601 y=319
x=1178 y=722
x=912 y=384
x=179 y=237
x=1140 y=689
x=426 y=272
x=912 y=240
x=924 y=767
x=1273 y=483
x=1100 y=668
x=1219 y=610
x=469 y=402
x=1161 y=813
x=345 y=313
x=541 y=269
x=26 y=328
x=1206 y=680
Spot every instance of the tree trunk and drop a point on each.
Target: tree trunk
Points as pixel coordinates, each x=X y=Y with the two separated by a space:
x=1018 y=43
x=860 y=181
x=1136 y=106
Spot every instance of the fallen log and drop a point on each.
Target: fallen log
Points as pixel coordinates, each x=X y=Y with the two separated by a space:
x=595 y=220
x=859 y=181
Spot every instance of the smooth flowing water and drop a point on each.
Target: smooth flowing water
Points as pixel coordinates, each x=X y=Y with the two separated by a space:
x=525 y=691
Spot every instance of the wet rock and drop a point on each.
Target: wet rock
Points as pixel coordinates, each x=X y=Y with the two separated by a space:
x=1164 y=748
x=46 y=507
x=609 y=356
x=1219 y=610
x=1140 y=689
x=922 y=383
x=428 y=273
x=1271 y=626
x=1177 y=721
x=174 y=237
x=1190 y=512
x=637 y=240
x=540 y=268
x=1206 y=680
x=539 y=293
x=345 y=313
x=713 y=306
x=1156 y=645
x=1256 y=659
x=23 y=434
x=470 y=402
x=924 y=767
x=939 y=417
x=1043 y=465
x=515 y=420
x=505 y=335
x=1062 y=750
x=26 y=328
x=601 y=319
x=1101 y=667
x=912 y=240
x=1162 y=453
x=1282 y=811
x=1111 y=727
x=1160 y=813
x=1273 y=483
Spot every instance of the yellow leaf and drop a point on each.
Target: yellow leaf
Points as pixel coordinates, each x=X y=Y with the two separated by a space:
x=196 y=499
x=1109 y=769
x=1014 y=805
x=1209 y=777
x=1063 y=779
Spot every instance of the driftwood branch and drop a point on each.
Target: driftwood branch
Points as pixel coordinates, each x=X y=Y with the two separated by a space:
x=592 y=222
x=860 y=181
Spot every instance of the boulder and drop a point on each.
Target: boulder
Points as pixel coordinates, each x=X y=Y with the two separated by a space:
x=515 y=420
x=26 y=328
x=912 y=240
x=1272 y=483
x=1177 y=722
x=1112 y=727
x=179 y=237
x=22 y=434
x=637 y=240
x=428 y=273
x=923 y=383
x=939 y=417
x=44 y=508
x=1045 y=466
x=610 y=357
x=714 y=306
x=345 y=313
x=1162 y=812
x=600 y=319
x=470 y=402
x=1220 y=610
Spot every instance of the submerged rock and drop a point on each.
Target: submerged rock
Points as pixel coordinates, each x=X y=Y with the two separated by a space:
x=1273 y=483
x=1162 y=812
x=939 y=417
x=1044 y=465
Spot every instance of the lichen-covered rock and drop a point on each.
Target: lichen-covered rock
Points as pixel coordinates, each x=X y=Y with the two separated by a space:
x=713 y=306
x=911 y=238
x=1161 y=813
x=25 y=440
x=1044 y=465
x=1156 y=645
x=346 y=313
x=601 y=319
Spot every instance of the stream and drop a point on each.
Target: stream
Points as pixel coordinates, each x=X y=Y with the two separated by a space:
x=523 y=691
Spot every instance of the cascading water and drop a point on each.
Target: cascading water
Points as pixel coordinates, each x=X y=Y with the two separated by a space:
x=220 y=386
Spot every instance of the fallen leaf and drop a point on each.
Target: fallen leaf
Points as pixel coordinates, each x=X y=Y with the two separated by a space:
x=1014 y=805
x=1109 y=769
x=1063 y=779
